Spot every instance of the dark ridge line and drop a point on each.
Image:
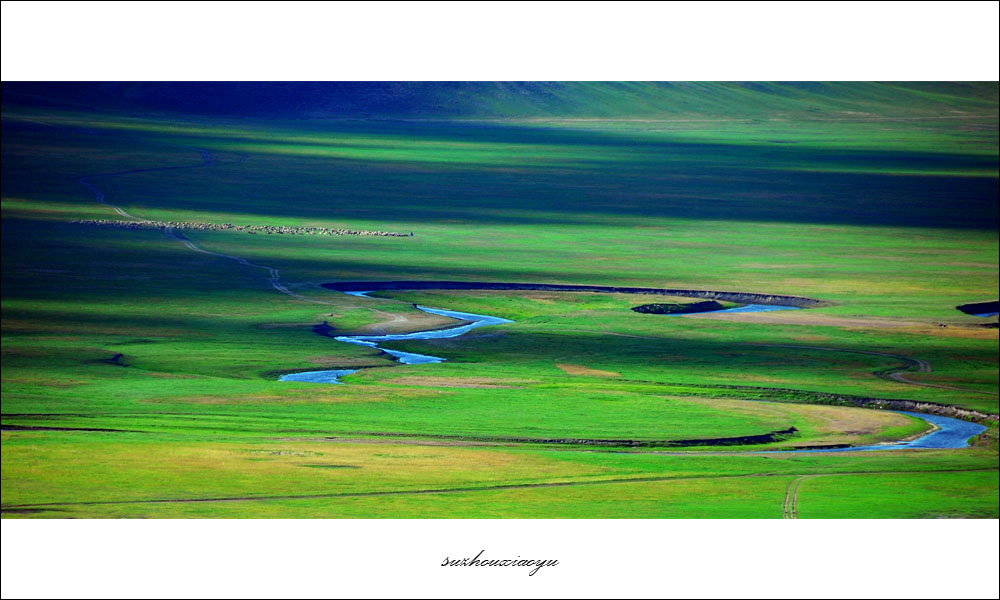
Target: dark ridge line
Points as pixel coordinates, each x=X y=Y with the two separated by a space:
x=739 y=297
x=512 y=486
x=819 y=447
x=742 y=440
x=811 y=397
x=6 y=427
x=49 y=415
x=828 y=398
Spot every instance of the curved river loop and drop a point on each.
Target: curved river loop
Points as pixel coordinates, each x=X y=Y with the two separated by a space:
x=947 y=432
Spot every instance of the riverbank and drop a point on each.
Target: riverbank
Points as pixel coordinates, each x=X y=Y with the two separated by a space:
x=465 y=323
x=737 y=297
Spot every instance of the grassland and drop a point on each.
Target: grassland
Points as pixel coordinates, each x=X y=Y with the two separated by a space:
x=890 y=215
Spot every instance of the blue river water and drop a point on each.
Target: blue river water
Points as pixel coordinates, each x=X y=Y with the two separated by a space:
x=948 y=432
x=755 y=308
x=318 y=376
x=407 y=358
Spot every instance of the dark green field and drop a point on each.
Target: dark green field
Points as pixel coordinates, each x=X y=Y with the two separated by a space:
x=140 y=376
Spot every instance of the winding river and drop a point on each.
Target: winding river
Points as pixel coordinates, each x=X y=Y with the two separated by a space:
x=947 y=432
x=407 y=358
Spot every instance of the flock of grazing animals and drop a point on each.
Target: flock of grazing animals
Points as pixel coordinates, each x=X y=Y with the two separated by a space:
x=252 y=229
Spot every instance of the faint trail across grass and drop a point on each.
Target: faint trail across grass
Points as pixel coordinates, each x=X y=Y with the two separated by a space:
x=917 y=365
x=485 y=488
x=791 y=507
x=273 y=277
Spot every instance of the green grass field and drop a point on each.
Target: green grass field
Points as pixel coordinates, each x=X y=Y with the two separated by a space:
x=140 y=377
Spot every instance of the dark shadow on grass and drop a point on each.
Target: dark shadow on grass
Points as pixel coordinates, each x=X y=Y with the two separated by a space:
x=654 y=179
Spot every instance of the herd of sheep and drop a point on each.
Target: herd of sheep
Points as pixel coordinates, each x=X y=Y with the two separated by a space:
x=253 y=229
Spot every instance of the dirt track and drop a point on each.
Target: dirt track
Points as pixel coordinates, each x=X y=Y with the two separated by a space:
x=791 y=506
x=917 y=365
x=273 y=277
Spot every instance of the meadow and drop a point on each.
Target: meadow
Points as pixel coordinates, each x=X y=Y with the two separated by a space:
x=140 y=377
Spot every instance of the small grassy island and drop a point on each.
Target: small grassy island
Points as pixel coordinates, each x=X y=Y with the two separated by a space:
x=679 y=308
